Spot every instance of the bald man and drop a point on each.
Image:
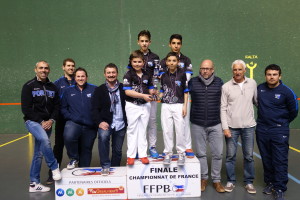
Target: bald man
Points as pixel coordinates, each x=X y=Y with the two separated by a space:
x=205 y=120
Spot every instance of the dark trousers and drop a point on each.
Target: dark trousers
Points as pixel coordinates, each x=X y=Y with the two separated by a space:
x=58 y=148
x=116 y=145
x=273 y=146
x=79 y=141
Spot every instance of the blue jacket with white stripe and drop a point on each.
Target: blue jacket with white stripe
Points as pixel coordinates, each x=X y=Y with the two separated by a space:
x=277 y=107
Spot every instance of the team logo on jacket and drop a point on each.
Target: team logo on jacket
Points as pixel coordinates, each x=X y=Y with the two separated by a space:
x=145 y=81
x=89 y=95
x=178 y=83
x=277 y=96
x=181 y=64
x=125 y=81
x=150 y=64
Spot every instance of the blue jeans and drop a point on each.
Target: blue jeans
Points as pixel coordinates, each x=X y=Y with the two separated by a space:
x=42 y=148
x=247 y=138
x=103 y=146
x=79 y=140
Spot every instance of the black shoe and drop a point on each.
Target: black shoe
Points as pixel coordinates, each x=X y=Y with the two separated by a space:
x=49 y=181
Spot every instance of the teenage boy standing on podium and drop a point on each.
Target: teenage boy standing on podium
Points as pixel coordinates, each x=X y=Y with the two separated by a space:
x=144 y=41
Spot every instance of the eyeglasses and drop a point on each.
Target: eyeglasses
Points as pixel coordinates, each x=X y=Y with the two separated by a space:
x=206 y=69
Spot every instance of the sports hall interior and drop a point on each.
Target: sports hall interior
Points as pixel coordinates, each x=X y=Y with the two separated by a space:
x=97 y=32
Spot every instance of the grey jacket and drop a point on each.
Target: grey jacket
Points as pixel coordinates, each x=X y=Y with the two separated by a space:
x=237 y=104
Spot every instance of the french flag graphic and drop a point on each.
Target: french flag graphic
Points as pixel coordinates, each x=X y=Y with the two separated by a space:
x=179 y=188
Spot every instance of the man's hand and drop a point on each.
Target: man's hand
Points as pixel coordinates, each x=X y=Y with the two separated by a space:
x=227 y=133
x=46 y=125
x=104 y=126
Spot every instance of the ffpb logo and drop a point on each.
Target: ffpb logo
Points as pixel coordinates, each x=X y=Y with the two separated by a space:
x=178 y=188
x=60 y=192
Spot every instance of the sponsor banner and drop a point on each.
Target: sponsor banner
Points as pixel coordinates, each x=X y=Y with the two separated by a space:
x=88 y=183
x=156 y=180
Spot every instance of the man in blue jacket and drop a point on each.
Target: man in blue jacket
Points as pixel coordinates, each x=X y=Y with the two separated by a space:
x=277 y=108
x=80 y=131
x=62 y=83
x=108 y=111
x=205 y=120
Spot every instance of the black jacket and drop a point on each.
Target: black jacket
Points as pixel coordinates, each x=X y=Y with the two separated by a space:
x=40 y=101
x=206 y=101
x=101 y=105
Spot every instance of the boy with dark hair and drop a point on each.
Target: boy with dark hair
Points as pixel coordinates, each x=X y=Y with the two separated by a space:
x=174 y=108
x=144 y=41
x=175 y=43
x=139 y=90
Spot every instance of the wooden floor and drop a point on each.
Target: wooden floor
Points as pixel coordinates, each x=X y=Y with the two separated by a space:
x=16 y=158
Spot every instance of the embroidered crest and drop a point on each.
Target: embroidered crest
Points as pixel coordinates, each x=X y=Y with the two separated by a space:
x=181 y=64
x=178 y=83
x=277 y=96
x=145 y=81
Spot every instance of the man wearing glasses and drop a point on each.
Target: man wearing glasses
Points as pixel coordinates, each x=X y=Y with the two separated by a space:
x=205 y=120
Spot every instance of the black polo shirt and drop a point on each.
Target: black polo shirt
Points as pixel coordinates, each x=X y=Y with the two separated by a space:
x=149 y=62
x=132 y=81
x=184 y=62
x=174 y=86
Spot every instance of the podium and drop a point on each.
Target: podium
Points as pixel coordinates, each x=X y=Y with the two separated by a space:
x=138 y=181
x=157 y=180
x=88 y=183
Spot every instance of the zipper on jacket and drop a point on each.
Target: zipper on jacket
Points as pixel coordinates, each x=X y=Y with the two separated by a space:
x=46 y=99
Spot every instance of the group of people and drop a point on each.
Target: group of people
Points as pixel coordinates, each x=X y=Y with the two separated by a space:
x=202 y=108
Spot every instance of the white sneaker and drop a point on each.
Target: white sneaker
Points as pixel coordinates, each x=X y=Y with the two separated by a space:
x=181 y=159
x=167 y=159
x=56 y=175
x=229 y=187
x=72 y=164
x=33 y=187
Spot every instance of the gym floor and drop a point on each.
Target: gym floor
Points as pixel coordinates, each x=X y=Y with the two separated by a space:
x=16 y=152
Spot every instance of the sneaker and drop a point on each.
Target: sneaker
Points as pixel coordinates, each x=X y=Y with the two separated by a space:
x=72 y=164
x=153 y=152
x=145 y=160
x=278 y=195
x=181 y=159
x=250 y=188
x=167 y=159
x=33 y=187
x=130 y=161
x=105 y=172
x=189 y=153
x=50 y=180
x=56 y=175
x=268 y=189
x=229 y=187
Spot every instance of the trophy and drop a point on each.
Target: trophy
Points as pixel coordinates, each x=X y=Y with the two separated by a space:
x=155 y=78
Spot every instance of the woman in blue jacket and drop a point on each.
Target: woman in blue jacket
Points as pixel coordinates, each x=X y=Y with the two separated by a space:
x=80 y=131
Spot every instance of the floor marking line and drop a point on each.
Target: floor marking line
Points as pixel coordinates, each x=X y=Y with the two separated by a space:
x=2 y=145
x=289 y=175
x=294 y=149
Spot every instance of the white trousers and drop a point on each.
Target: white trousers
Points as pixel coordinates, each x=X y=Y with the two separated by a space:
x=187 y=129
x=171 y=114
x=137 y=119
x=152 y=130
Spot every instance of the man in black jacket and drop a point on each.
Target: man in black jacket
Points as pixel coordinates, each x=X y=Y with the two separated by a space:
x=40 y=106
x=205 y=120
x=108 y=111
